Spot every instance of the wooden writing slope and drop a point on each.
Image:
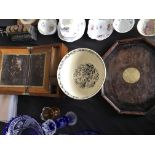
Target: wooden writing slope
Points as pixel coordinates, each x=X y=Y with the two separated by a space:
x=30 y=70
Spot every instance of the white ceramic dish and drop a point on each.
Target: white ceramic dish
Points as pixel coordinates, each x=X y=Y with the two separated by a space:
x=123 y=25
x=72 y=34
x=146 y=27
x=100 y=29
x=69 y=27
x=47 y=26
x=27 y=21
x=81 y=73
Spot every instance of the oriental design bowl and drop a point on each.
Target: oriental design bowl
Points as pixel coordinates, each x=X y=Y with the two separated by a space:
x=81 y=73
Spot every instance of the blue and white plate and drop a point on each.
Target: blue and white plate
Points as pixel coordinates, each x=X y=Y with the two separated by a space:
x=23 y=125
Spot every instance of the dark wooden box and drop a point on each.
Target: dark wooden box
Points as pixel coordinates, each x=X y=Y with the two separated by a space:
x=130 y=81
x=31 y=70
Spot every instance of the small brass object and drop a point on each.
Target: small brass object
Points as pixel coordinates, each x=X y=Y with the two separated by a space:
x=131 y=75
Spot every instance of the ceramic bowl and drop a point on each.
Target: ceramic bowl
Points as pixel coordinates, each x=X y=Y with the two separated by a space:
x=146 y=27
x=68 y=32
x=100 y=29
x=68 y=27
x=123 y=25
x=47 y=26
x=81 y=73
x=28 y=21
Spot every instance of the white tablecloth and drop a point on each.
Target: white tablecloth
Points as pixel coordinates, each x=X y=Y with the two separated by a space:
x=8 y=107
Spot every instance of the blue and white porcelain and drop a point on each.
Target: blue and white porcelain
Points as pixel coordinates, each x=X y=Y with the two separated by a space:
x=23 y=125
x=26 y=125
x=50 y=127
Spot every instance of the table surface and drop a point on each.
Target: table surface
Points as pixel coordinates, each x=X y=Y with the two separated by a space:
x=94 y=113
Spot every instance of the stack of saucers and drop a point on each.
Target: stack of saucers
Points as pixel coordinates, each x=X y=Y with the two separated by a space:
x=100 y=29
x=70 y=30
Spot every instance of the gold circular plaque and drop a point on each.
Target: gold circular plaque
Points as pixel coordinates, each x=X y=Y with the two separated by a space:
x=131 y=75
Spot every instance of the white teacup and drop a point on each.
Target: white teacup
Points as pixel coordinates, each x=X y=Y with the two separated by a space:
x=123 y=25
x=146 y=27
x=100 y=29
x=66 y=24
x=68 y=27
x=47 y=26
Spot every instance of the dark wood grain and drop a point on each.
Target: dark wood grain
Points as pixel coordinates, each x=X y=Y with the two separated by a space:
x=135 y=98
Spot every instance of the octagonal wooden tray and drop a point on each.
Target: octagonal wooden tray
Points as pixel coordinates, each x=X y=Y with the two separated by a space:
x=130 y=92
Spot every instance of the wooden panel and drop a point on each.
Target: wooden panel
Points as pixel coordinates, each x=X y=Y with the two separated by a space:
x=58 y=52
x=14 y=50
x=46 y=51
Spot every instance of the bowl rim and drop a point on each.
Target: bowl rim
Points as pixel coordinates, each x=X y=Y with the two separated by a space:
x=23 y=118
x=47 y=33
x=117 y=30
x=62 y=62
x=141 y=21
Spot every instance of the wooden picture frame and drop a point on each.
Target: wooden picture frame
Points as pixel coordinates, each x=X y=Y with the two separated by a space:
x=31 y=70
